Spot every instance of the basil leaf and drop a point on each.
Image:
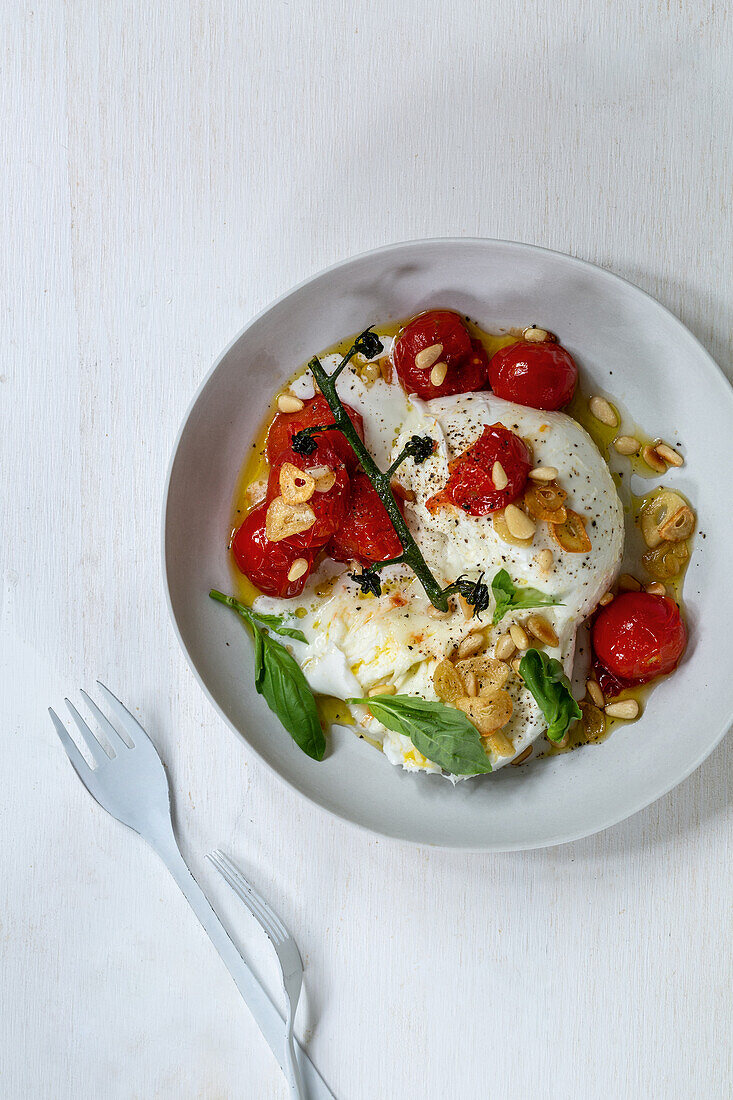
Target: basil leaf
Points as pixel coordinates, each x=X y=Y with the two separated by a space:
x=272 y=622
x=441 y=733
x=288 y=695
x=508 y=596
x=545 y=678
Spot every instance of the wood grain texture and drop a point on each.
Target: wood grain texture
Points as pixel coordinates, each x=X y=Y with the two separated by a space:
x=168 y=170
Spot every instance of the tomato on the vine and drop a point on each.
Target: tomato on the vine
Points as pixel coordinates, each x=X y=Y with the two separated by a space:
x=315 y=411
x=470 y=485
x=329 y=505
x=366 y=533
x=543 y=376
x=639 y=636
x=266 y=563
x=444 y=332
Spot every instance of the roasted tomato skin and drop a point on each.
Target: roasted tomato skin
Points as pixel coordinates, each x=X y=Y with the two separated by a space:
x=543 y=376
x=266 y=563
x=315 y=411
x=366 y=533
x=470 y=485
x=329 y=507
x=465 y=357
x=638 y=637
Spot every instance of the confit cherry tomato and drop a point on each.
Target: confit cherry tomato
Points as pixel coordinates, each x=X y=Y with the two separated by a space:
x=329 y=506
x=266 y=563
x=639 y=636
x=543 y=376
x=464 y=357
x=470 y=485
x=366 y=533
x=315 y=411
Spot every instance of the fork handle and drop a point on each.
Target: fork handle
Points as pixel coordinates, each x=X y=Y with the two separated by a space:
x=266 y=1015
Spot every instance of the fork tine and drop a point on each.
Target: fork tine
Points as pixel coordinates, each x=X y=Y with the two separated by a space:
x=78 y=762
x=98 y=754
x=113 y=736
x=257 y=905
x=246 y=885
x=130 y=724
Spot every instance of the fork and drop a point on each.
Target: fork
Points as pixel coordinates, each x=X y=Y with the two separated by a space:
x=286 y=950
x=130 y=783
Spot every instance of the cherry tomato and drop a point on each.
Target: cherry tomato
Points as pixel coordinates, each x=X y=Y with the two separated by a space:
x=266 y=563
x=329 y=507
x=315 y=411
x=471 y=486
x=465 y=358
x=639 y=636
x=543 y=376
x=366 y=533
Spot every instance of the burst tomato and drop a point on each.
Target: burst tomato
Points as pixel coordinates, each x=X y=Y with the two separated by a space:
x=639 y=636
x=315 y=411
x=543 y=376
x=329 y=507
x=470 y=485
x=366 y=533
x=464 y=357
x=266 y=563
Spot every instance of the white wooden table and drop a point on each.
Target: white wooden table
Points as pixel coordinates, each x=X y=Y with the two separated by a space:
x=170 y=169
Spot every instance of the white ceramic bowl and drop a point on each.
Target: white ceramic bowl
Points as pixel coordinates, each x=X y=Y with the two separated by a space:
x=627 y=344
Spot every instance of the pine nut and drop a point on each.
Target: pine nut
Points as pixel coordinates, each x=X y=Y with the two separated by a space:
x=627 y=583
x=545 y=560
x=656 y=589
x=522 y=757
x=627 y=444
x=534 y=335
x=603 y=411
x=594 y=691
x=466 y=607
x=606 y=599
x=370 y=373
x=438 y=373
x=470 y=645
x=385 y=369
x=471 y=684
x=504 y=648
x=297 y=569
x=498 y=476
x=519 y=636
x=515 y=664
x=428 y=356
x=289 y=403
x=382 y=689
x=539 y=626
x=650 y=456
x=518 y=522
x=436 y=613
x=543 y=473
x=625 y=708
x=670 y=456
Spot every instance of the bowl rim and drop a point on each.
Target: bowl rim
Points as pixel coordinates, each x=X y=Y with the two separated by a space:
x=385 y=250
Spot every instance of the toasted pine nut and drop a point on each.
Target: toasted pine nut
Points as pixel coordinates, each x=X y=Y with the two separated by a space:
x=539 y=626
x=594 y=692
x=656 y=589
x=438 y=373
x=436 y=613
x=603 y=411
x=522 y=757
x=625 y=708
x=515 y=664
x=650 y=456
x=627 y=583
x=466 y=608
x=385 y=369
x=471 y=684
x=498 y=476
x=627 y=444
x=428 y=356
x=518 y=522
x=519 y=636
x=297 y=569
x=470 y=645
x=289 y=403
x=534 y=335
x=543 y=473
x=606 y=599
x=545 y=560
x=382 y=689
x=504 y=647
x=670 y=456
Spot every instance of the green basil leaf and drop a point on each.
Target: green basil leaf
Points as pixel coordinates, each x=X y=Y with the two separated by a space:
x=288 y=695
x=509 y=597
x=441 y=733
x=272 y=622
x=545 y=678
